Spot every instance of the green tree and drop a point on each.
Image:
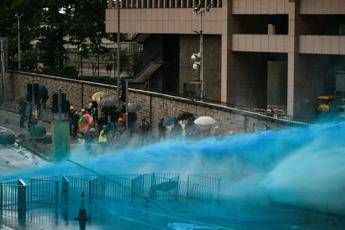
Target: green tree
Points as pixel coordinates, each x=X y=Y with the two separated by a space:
x=49 y=22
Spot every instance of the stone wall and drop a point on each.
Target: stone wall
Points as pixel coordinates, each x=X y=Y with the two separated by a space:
x=155 y=105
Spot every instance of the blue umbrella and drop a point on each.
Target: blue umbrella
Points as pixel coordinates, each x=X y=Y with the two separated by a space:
x=170 y=121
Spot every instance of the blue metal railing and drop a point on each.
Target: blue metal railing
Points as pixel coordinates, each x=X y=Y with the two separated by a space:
x=18 y=197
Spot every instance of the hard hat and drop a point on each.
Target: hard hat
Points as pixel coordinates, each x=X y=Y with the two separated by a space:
x=83 y=110
x=71 y=108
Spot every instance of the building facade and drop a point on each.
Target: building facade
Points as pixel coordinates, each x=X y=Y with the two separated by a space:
x=257 y=53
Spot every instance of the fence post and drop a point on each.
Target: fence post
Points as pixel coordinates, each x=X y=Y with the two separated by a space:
x=152 y=193
x=188 y=181
x=177 y=187
x=1 y=199
x=91 y=187
x=21 y=205
x=132 y=190
x=103 y=187
x=218 y=189
x=56 y=192
x=65 y=198
x=65 y=190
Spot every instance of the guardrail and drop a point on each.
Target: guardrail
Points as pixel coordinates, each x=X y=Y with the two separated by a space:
x=19 y=197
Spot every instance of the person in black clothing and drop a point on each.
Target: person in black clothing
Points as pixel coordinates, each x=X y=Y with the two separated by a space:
x=132 y=118
x=94 y=112
x=145 y=128
x=190 y=128
x=43 y=96
x=75 y=120
x=177 y=130
x=161 y=129
x=22 y=113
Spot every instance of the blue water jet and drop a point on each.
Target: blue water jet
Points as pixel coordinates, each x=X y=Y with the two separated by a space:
x=302 y=166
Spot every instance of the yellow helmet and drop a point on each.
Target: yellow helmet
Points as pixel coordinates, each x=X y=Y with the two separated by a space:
x=83 y=110
x=71 y=107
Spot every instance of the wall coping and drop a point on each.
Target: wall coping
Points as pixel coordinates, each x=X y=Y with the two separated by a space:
x=174 y=98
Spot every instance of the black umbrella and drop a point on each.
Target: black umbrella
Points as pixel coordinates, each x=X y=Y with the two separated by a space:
x=185 y=116
x=110 y=101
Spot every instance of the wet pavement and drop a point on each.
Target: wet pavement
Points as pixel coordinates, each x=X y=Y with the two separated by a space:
x=15 y=158
x=178 y=216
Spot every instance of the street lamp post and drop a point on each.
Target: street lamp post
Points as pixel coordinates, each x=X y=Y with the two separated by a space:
x=118 y=64
x=201 y=11
x=18 y=16
x=201 y=50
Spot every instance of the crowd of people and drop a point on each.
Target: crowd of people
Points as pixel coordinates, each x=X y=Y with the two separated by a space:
x=100 y=125
x=104 y=124
x=108 y=126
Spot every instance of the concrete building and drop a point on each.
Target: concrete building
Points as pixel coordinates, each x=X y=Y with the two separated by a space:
x=258 y=53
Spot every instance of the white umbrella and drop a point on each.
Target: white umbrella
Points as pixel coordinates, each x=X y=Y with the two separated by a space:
x=205 y=121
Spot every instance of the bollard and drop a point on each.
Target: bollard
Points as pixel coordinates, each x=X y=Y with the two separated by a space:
x=82 y=214
x=21 y=205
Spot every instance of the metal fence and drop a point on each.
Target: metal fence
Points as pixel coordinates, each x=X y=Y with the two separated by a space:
x=17 y=197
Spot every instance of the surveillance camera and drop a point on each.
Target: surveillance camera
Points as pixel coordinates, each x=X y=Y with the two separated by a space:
x=197 y=8
x=194 y=57
x=196 y=65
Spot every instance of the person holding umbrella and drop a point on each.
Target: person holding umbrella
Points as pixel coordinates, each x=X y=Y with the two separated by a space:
x=205 y=125
x=169 y=124
x=190 y=128
x=183 y=120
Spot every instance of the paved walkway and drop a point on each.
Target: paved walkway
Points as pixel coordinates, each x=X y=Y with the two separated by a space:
x=10 y=120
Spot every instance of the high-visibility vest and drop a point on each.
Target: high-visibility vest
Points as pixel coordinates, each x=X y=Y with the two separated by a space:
x=102 y=137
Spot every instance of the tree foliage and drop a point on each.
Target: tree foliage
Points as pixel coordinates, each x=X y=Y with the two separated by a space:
x=49 y=23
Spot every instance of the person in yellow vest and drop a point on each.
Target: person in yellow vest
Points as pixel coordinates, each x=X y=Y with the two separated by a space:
x=103 y=137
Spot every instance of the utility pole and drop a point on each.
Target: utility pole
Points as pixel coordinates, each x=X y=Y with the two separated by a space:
x=18 y=16
x=118 y=51
x=201 y=11
x=3 y=88
x=126 y=104
x=201 y=49
x=33 y=111
x=60 y=105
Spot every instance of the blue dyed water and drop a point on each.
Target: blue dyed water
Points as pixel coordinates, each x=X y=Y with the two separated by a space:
x=302 y=167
